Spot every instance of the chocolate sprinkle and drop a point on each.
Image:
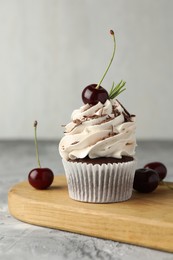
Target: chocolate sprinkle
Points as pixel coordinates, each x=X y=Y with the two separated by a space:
x=77 y=121
x=127 y=118
x=124 y=108
x=76 y=142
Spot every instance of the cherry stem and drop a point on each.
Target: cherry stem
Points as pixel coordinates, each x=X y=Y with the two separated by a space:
x=113 y=54
x=36 y=144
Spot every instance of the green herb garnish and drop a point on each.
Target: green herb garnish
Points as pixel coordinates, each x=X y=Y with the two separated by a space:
x=116 y=90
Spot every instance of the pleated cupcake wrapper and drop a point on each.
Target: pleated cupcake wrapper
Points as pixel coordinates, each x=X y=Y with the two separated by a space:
x=100 y=183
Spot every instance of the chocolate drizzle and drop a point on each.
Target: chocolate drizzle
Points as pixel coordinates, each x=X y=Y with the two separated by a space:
x=109 y=118
x=91 y=117
x=126 y=114
x=127 y=118
x=77 y=121
x=115 y=111
x=124 y=108
x=76 y=142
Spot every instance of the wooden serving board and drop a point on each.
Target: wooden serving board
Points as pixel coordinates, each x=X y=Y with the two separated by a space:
x=144 y=220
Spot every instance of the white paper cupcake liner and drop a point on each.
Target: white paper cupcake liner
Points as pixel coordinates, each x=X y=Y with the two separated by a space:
x=100 y=183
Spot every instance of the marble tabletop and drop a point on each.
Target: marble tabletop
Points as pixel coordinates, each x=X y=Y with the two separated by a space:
x=20 y=240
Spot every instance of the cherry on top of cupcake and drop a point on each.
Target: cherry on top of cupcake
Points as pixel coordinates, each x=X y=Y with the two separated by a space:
x=94 y=93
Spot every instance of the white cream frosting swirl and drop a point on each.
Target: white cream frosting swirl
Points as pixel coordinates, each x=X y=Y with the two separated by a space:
x=102 y=130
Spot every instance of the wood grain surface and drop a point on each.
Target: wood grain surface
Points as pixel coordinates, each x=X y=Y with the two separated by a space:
x=144 y=220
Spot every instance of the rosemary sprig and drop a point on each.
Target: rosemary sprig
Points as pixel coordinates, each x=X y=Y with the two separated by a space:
x=116 y=90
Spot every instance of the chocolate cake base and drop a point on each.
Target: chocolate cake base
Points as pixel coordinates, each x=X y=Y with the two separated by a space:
x=102 y=160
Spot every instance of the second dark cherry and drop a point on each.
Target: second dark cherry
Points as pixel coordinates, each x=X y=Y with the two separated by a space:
x=93 y=95
x=160 y=168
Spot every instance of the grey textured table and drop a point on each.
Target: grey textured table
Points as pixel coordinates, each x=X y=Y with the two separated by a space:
x=23 y=241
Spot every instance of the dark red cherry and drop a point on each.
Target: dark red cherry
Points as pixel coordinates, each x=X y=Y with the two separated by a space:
x=41 y=178
x=93 y=95
x=146 y=180
x=160 y=168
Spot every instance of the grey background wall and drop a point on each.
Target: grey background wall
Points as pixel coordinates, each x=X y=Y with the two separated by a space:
x=51 y=49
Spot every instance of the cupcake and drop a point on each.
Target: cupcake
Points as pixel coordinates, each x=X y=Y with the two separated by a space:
x=98 y=148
